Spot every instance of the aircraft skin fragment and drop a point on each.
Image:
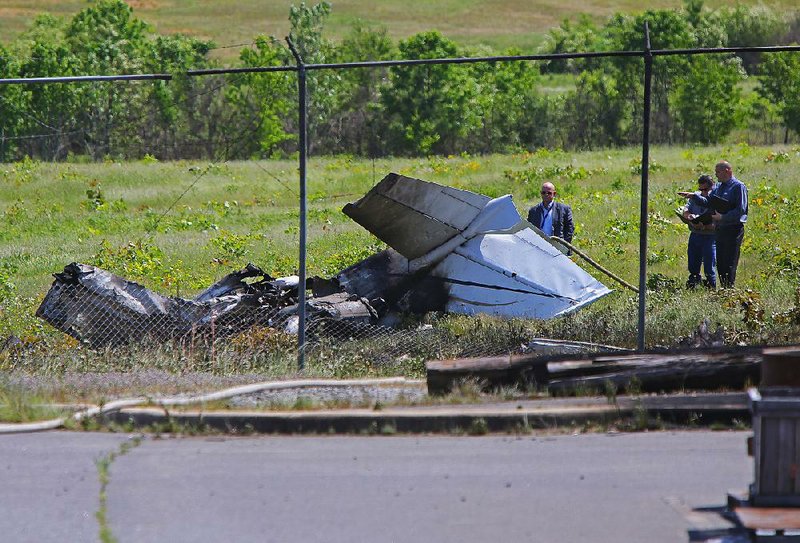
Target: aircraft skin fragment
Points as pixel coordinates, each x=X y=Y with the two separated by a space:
x=399 y=205
x=496 y=264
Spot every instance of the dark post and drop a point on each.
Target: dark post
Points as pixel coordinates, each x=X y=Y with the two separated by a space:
x=648 y=76
x=301 y=288
x=775 y=406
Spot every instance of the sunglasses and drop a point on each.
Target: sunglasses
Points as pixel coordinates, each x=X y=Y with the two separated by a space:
x=548 y=192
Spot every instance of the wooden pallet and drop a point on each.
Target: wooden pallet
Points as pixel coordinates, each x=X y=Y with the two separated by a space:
x=782 y=522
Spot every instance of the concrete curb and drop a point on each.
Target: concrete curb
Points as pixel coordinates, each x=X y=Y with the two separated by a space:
x=693 y=410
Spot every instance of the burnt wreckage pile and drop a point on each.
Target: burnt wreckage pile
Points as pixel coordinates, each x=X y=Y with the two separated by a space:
x=449 y=250
x=100 y=308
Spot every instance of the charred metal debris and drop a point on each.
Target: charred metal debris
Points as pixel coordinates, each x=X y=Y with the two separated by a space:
x=449 y=250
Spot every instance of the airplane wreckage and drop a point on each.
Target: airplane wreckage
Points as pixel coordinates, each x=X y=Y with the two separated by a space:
x=449 y=250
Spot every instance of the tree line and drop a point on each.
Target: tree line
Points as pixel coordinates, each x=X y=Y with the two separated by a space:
x=392 y=111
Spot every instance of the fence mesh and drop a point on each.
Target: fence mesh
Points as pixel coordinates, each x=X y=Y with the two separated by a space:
x=233 y=319
x=215 y=210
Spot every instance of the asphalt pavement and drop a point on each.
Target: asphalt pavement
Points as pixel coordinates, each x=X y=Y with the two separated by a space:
x=588 y=487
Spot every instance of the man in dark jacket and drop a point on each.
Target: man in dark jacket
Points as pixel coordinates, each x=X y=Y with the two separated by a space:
x=730 y=194
x=553 y=218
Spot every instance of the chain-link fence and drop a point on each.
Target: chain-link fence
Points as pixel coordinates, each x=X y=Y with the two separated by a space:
x=106 y=313
x=255 y=319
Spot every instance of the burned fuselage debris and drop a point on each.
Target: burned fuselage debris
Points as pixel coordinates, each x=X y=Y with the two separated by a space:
x=100 y=308
x=450 y=250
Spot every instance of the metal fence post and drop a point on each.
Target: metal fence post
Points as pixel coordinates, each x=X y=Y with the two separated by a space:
x=648 y=76
x=303 y=130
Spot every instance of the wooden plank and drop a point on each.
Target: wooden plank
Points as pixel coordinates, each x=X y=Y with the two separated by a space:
x=495 y=371
x=701 y=520
x=485 y=363
x=781 y=367
x=769 y=518
x=710 y=369
x=796 y=466
x=631 y=358
x=758 y=454
x=786 y=456
x=664 y=377
x=770 y=457
x=782 y=407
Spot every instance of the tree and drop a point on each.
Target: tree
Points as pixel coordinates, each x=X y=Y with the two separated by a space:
x=570 y=37
x=357 y=121
x=108 y=39
x=752 y=26
x=306 y=32
x=506 y=93
x=430 y=107
x=780 y=83
x=262 y=100
x=708 y=26
x=11 y=106
x=49 y=119
x=594 y=115
x=183 y=118
x=669 y=29
x=707 y=98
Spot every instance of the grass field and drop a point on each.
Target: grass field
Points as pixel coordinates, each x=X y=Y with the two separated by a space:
x=497 y=23
x=176 y=227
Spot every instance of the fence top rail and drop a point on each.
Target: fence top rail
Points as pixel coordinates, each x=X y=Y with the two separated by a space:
x=472 y=60
x=85 y=78
x=390 y=63
x=722 y=50
x=555 y=56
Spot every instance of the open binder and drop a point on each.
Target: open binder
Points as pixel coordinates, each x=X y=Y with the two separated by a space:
x=720 y=205
x=704 y=219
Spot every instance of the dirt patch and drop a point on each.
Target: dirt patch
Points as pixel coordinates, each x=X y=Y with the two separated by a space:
x=16 y=12
x=144 y=4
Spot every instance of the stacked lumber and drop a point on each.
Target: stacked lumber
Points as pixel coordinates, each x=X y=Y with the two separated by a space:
x=654 y=371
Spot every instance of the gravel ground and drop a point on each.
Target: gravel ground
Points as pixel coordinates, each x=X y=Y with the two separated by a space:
x=350 y=396
x=95 y=387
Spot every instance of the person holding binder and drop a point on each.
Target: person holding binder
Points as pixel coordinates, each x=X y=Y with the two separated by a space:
x=730 y=204
x=702 y=247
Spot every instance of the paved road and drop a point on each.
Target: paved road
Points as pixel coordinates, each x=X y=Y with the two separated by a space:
x=624 y=487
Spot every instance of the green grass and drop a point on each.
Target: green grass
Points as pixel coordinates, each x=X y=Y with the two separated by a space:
x=238 y=212
x=18 y=405
x=140 y=227
x=497 y=23
x=103 y=465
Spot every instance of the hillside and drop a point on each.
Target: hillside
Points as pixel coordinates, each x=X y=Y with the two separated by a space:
x=497 y=23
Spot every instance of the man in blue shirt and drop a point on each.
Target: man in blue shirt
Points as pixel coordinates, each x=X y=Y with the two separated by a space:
x=553 y=218
x=729 y=223
x=702 y=246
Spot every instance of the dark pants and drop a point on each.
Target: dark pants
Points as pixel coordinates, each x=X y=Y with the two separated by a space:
x=729 y=243
x=702 y=250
